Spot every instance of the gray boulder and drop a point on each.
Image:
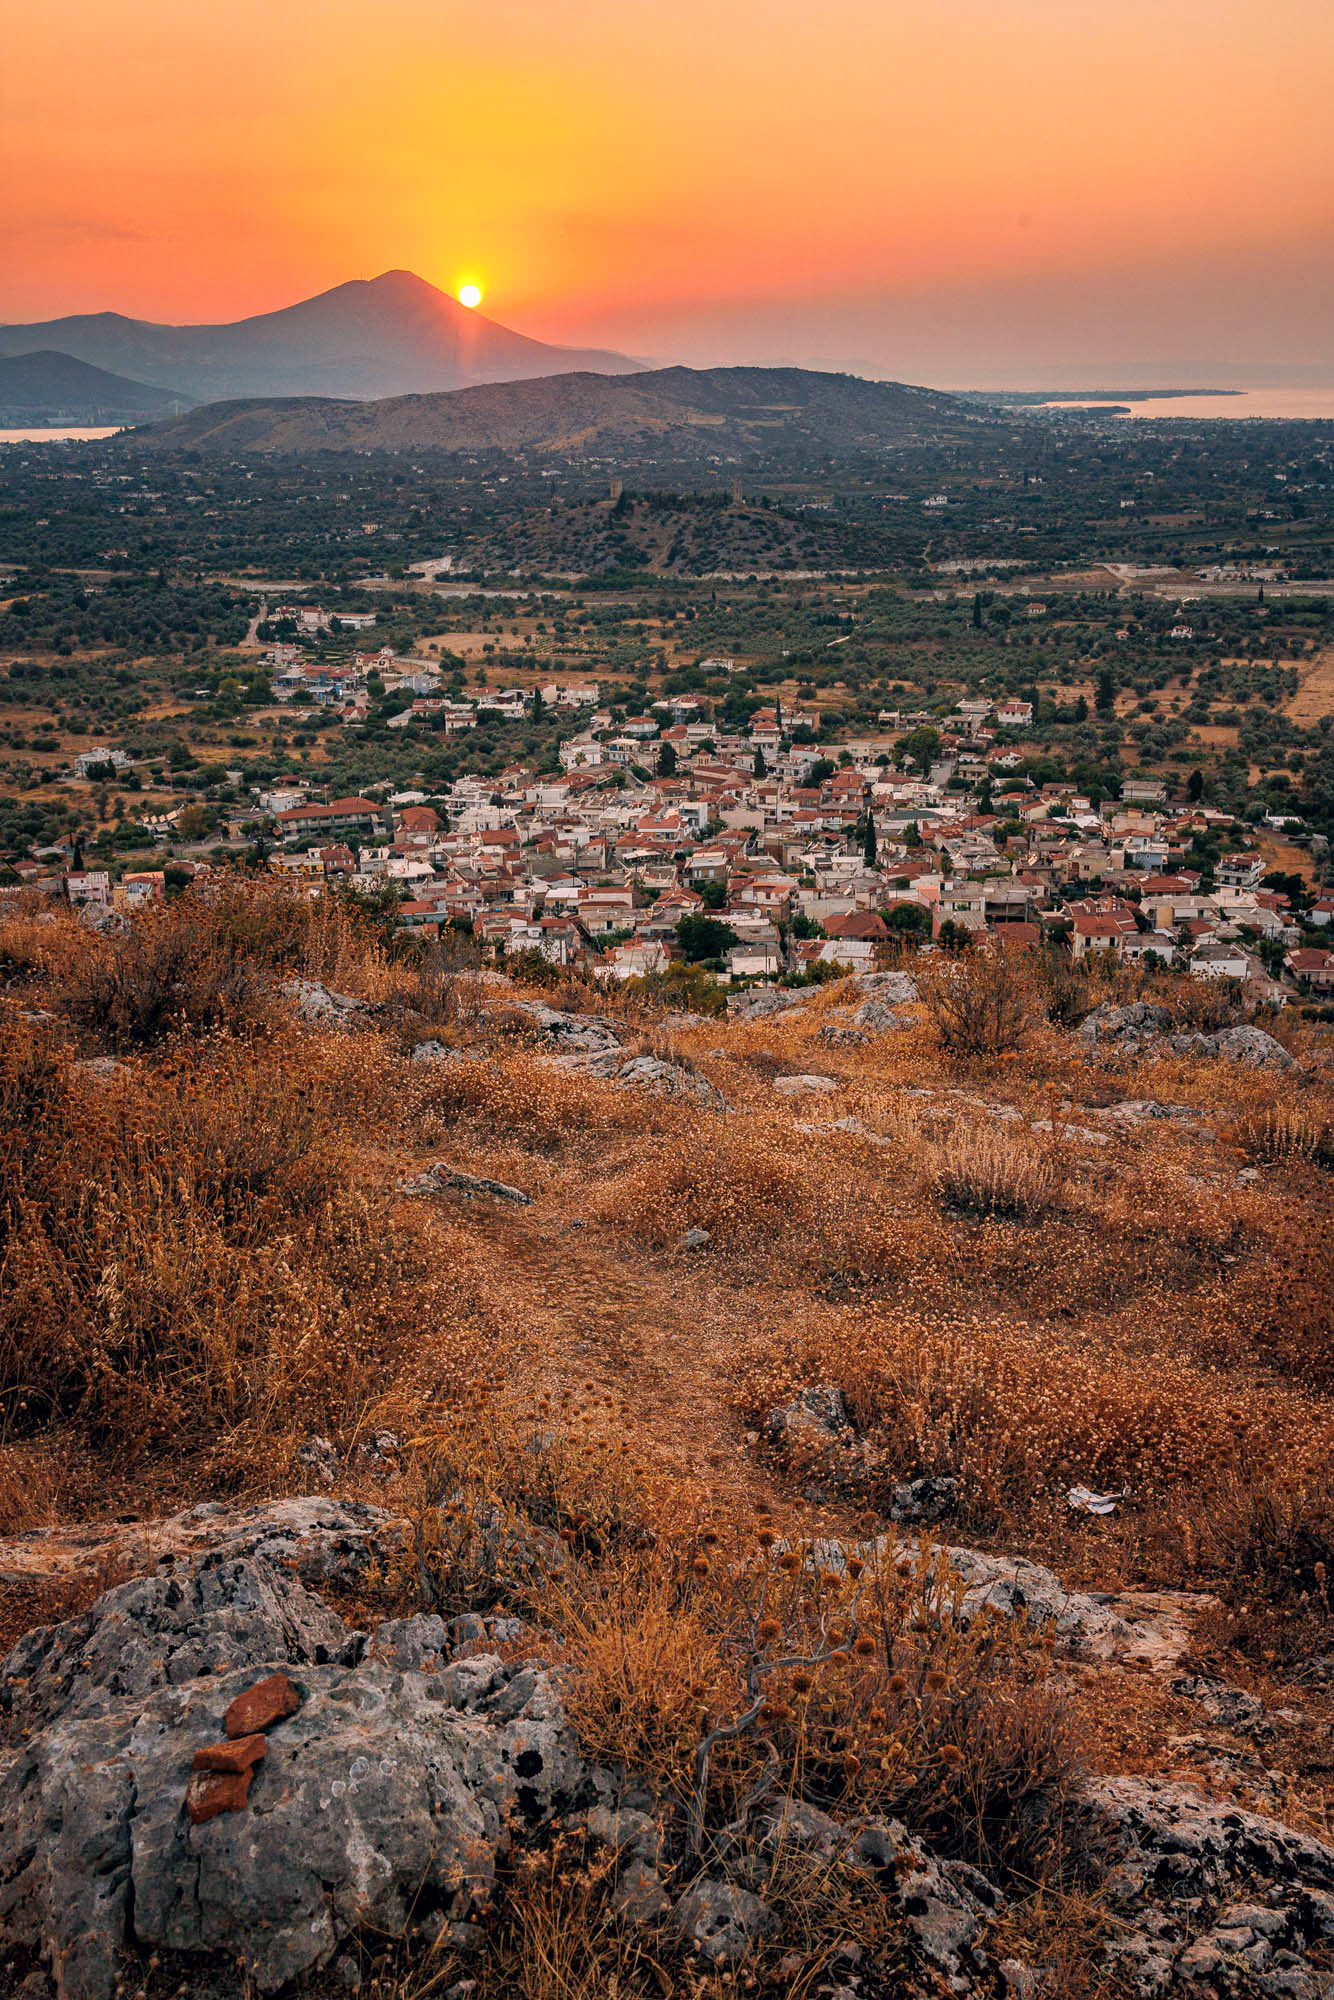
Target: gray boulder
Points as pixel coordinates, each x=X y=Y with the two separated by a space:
x=818 y=1413
x=895 y=989
x=722 y=1922
x=930 y=1498
x=444 y=1179
x=164 y=1630
x=1251 y=1047
x=761 y=1001
x=569 y=1031
x=1124 y=1029
x=879 y=1017
x=397 y=1778
x=1206 y=1897
x=322 y=1006
x=665 y=1079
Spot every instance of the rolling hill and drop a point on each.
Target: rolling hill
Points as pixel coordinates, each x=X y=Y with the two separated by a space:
x=666 y=534
x=385 y=336
x=47 y=387
x=681 y=412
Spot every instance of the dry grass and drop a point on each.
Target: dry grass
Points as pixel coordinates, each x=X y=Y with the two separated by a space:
x=193 y=1250
x=202 y=1259
x=993 y=1171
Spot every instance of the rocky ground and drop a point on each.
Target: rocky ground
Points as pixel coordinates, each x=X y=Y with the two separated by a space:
x=739 y=1283
x=399 y=1767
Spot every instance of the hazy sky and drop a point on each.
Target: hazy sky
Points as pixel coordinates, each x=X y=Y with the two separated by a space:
x=959 y=191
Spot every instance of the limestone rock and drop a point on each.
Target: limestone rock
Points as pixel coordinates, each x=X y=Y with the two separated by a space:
x=817 y=1413
x=879 y=1018
x=930 y=1498
x=1208 y=1897
x=722 y=1922
x=322 y=1006
x=441 y=1178
x=160 y=1631
x=800 y=1086
x=1124 y=1029
x=665 y=1079
x=895 y=989
x=761 y=1001
x=1251 y=1047
x=384 y=1785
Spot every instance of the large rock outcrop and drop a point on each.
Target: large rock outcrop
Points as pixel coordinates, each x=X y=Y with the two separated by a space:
x=393 y=1788
x=1140 y=1029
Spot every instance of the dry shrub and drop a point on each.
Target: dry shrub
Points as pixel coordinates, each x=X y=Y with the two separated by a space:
x=1204 y=1005
x=993 y=1170
x=521 y=1095
x=1277 y=1539
x=1285 y=1128
x=154 y=980
x=982 y=1004
x=733 y=1671
x=1020 y=1414
x=1274 y=1539
x=189 y=1247
x=209 y=957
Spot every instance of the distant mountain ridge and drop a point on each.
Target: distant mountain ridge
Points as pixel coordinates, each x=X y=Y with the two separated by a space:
x=386 y=336
x=47 y=387
x=694 y=412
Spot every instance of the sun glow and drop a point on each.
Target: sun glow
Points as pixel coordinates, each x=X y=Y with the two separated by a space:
x=470 y=295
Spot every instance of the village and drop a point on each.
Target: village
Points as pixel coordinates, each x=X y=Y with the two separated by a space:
x=759 y=856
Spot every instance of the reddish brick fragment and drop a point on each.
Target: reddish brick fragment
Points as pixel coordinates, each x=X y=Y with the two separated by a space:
x=212 y=1792
x=235 y=1756
x=267 y=1702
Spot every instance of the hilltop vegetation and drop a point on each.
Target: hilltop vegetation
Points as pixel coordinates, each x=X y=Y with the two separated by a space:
x=667 y=534
x=1018 y=1273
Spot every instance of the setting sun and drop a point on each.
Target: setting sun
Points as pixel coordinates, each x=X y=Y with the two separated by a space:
x=470 y=295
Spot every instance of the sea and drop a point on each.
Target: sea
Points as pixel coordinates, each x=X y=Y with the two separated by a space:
x=1311 y=405
x=51 y=434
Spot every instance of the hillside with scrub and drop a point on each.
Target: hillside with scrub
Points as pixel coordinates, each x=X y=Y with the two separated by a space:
x=824 y=1491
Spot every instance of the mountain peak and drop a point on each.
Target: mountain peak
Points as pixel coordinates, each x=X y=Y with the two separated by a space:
x=403 y=284
x=395 y=334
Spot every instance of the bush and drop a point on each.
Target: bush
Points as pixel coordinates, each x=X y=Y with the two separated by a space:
x=991 y=1170
x=982 y=1004
x=162 y=975
x=189 y=1248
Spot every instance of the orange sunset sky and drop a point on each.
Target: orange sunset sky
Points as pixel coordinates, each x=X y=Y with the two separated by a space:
x=969 y=191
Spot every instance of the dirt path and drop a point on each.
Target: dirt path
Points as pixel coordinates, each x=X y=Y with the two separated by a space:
x=668 y=1344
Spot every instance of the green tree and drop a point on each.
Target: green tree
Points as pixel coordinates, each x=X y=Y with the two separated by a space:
x=909 y=921
x=666 y=759
x=921 y=747
x=703 y=938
